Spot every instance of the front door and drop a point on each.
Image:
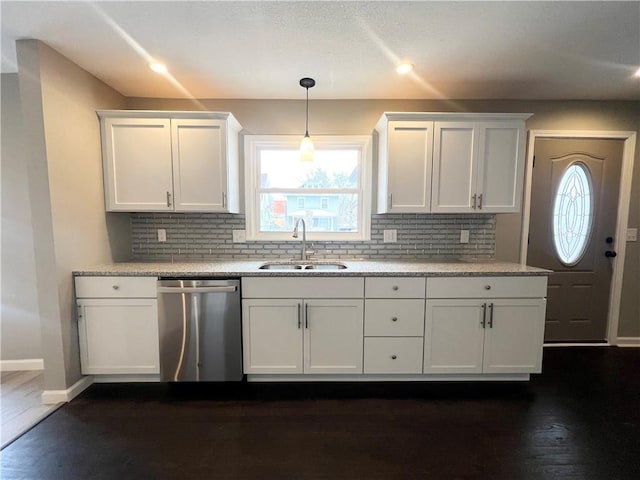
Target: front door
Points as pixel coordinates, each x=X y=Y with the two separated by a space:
x=574 y=204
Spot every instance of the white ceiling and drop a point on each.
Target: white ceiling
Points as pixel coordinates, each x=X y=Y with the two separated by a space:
x=225 y=49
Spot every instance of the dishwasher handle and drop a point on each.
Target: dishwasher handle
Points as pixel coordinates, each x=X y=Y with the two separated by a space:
x=221 y=289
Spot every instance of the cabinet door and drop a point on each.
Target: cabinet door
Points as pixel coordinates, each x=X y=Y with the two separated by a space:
x=199 y=165
x=500 y=166
x=409 y=167
x=118 y=336
x=137 y=164
x=514 y=336
x=454 y=336
x=272 y=336
x=333 y=336
x=454 y=167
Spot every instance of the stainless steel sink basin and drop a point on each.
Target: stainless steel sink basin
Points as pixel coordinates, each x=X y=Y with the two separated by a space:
x=301 y=266
x=280 y=266
x=325 y=266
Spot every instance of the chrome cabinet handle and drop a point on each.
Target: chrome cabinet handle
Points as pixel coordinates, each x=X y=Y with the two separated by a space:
x=480 y=202
x=487 y=287
x=306 y=315
x=483 y=322
x=224 y=200
x=474 y=201
x=299 y=316
x=168 y=199
x=393 y=357
x=491 y=315
x=394 y=319
x=391 y=200
x=115 y=287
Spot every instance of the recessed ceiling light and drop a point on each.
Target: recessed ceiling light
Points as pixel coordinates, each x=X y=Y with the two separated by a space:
x=158 y=67
x=637 y=74
x=404 y=68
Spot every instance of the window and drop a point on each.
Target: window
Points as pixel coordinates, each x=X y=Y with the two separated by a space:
x=332 y=193
x=573 y=214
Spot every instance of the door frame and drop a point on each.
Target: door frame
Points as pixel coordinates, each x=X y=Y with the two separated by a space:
x=624 y=199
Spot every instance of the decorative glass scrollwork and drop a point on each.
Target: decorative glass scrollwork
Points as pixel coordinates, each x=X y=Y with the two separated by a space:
x=573 y=214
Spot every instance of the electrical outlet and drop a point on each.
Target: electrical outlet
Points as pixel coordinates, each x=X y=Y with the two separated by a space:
x=390 y=236
x=239 y=236
x=632 y=234
x=464 y=236
x=162 y=235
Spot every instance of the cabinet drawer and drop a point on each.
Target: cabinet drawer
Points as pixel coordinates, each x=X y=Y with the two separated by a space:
x=393 y=355
x=296 y=287
x=116 y=287
x=487 y=287
x=394 y=318
x=394 y=287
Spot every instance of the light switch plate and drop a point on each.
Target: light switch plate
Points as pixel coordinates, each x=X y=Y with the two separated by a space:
x=162 y=235
x=239 y=236
x=389 y=236
x=632 y=234
x=464 y=236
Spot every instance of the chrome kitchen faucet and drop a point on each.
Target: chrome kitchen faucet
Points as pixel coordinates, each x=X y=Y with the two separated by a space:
x=304 y=254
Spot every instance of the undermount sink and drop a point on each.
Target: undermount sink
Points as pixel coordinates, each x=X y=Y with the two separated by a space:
x=301 y=266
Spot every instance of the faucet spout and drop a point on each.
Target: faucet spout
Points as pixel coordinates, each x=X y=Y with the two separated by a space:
x=303 y=249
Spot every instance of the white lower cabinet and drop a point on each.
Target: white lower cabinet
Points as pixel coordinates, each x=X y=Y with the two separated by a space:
x=393 y=325
x=117 y=325
x=484 y=335
x=302 y=336
x=393 y=355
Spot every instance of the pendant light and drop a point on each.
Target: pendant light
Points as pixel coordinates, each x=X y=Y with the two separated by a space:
x=306 y=146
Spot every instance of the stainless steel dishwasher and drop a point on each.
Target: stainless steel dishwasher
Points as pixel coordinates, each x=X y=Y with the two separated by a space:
x=200 y=330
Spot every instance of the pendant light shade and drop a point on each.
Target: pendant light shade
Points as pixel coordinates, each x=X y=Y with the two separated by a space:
x=306 y=145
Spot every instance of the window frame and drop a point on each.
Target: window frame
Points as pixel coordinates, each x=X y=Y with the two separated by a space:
x=254 y=144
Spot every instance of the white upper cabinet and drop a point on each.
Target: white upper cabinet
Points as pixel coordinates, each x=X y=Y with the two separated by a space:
x=137 y=164
x=450 y=162
x=454 y=167
x=404 y=166
x=500 y=173
x=170 y=161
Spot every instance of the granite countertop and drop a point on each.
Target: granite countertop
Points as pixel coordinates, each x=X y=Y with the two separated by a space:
x=249 y=268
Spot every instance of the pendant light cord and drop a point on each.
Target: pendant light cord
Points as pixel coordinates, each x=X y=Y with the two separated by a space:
x=306 y=125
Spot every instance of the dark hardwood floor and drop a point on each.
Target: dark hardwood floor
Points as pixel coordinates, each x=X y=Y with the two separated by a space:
x=580 y=419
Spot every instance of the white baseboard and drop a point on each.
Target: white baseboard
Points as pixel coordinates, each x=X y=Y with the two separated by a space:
x=21 y=365
x=59 y=396
x=628 y=341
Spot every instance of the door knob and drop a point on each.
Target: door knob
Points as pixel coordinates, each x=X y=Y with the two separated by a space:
x=609 y=240
x=610 y=254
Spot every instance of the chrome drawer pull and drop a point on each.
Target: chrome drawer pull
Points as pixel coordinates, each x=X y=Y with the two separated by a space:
x=394 y=288
x=393 y=357
x=487 y=287
x=115 y=287
x=394 y=319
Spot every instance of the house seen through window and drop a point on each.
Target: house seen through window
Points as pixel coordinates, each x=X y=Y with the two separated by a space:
x=331 y=193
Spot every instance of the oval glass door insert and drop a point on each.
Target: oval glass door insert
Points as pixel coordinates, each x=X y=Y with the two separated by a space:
x=573 y=214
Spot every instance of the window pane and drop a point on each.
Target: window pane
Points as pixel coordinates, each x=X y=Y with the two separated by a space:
x=322 y=213
x=329 y=169
x=572 y=214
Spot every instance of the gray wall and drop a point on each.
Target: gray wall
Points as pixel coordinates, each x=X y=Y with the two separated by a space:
x=59 y=102
x=19 y=319
x=360 y=116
